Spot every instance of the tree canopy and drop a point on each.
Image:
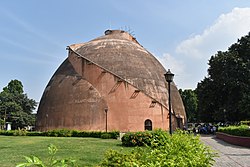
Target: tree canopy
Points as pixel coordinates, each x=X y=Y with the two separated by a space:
x=224 y=94
x=190 y=102
x=15 y=106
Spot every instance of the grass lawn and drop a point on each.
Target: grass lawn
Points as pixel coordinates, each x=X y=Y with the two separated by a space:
x=86 y=151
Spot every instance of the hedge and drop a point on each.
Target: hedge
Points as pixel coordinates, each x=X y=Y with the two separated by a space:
x=245 y=123
x=62 y=133
x=242 y=130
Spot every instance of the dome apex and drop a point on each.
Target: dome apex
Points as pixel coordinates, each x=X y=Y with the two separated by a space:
x=120 y=34
x=108 y=32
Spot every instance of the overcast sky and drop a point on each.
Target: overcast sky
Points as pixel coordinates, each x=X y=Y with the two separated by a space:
x=183 y=35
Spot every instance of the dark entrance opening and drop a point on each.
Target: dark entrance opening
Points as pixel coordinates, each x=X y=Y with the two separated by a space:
x=179 y=123
x=148 y=124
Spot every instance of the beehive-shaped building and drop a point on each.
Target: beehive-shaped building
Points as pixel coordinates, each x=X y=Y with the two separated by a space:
x=109 y=83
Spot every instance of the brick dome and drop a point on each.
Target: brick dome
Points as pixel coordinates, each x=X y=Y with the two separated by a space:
x=111 y=71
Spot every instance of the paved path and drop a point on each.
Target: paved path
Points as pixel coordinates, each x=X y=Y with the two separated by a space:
x=230 y=155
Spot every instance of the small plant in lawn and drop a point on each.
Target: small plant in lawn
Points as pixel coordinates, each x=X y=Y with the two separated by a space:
x=35 y=161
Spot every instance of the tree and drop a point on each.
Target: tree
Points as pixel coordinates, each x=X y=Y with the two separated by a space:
x=15 y=106
x=224 y=95
x=206 y=104
x=190 y=102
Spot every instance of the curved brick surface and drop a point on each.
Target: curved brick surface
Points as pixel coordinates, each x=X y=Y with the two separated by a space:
x=113 y=71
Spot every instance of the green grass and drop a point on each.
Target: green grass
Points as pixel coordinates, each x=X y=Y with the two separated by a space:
x=86 y=151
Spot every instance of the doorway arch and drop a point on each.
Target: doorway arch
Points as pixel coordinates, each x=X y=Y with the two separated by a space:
x=148 y=124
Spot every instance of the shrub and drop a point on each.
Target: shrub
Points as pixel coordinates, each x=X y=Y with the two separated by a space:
x=116 y=158
x=13 y=132
x=35 y=133
x=20 y=132
x=106 y=136
x=95 y=134
x=159 y=138
x=245 y=123
x=59 y=133
x=76 y=133
x=114 y=134
x=7 y=132
x=242 y=130
x=133 y=139
x=180 y=149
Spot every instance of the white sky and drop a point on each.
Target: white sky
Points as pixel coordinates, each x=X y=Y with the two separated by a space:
x=183 y=35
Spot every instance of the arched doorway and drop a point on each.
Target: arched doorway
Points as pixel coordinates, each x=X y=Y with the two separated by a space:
x=148 y=124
